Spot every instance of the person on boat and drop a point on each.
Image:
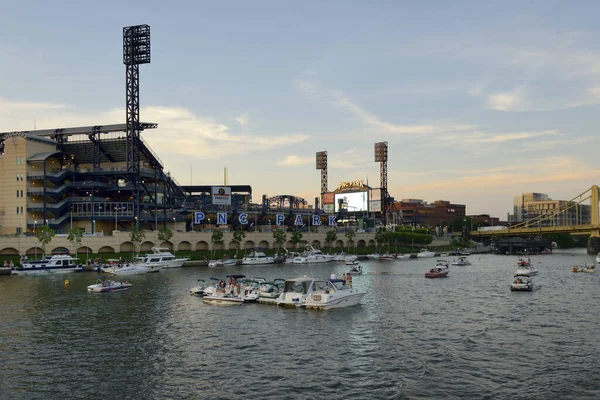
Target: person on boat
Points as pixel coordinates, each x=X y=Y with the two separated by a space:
x=349 y=280
x=11 y=264
x=5 y=263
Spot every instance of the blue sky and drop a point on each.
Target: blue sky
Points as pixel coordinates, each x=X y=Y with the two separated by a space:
x=478 y=101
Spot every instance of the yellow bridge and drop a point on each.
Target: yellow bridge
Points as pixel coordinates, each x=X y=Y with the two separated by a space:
x=554 y=221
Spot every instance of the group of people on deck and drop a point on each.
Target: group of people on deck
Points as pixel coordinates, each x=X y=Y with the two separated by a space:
x=8 y=264
x=346 y=277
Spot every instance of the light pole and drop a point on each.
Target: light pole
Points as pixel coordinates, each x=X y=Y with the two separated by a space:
x=71 y=216
x=116 y=216
x=93 y=226
x=35 y=248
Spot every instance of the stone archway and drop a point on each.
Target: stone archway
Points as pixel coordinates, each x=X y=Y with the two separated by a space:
x=9 y=251
x=184 y=246
x=106 y=249
x=201 y=245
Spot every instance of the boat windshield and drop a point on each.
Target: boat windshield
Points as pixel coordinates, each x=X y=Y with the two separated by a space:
x=297 y=286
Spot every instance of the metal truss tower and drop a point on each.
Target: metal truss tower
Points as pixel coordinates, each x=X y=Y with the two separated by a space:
x=381 y=156
x=136 y=51
x=322 y=165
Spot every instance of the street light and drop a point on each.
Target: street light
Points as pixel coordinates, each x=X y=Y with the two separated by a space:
x=93 y=226
x=35 y=248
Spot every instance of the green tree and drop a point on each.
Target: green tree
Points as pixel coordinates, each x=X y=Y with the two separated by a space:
x=44 y=234
x=238 y=236
x=280 y=237
x=165 y=234
x=216 y=238
x=330 y=237
x=296 y=238
x=381 y=236
x=75 y=236
x=350 y=233
x=136 y=236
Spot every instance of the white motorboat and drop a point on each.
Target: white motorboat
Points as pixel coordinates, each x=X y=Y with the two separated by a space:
x=130 y=269
x=227 y=262
x=373 y=256
x=339 y=256
x=521 y=283
x=440 y=270
x=402 y=256
x=268 y=292
x=57 y=264
x=257 y=257
x=424 y=253
x=223 y=299
x=387 y=257
x=161 y=258
x=353 y=262
x=333 y=293
x=295 y=291
x=598 y=258
x=527 y=270
x=205 y=289
x=350 y=258
x=356 y=270
x=461 y=262
x=103 y=285
x=312 y=255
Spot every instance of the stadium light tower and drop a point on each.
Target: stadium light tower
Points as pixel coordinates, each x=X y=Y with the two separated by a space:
x=322 y=165
x=136 y=51
x=381 y=156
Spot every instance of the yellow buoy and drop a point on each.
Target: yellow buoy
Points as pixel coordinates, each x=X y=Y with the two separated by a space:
x=67 y=282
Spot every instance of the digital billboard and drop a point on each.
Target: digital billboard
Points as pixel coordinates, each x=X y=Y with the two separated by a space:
x=356 y=201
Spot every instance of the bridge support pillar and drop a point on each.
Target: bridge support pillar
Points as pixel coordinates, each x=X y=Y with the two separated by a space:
x=593 y=245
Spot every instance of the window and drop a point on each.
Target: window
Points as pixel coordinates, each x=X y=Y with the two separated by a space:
x=21 y=210
x=21 y=193
x=17 y=210
x=19 y=231
x=17 y=193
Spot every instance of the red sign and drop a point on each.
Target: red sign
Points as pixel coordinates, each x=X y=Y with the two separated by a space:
x=328 y=198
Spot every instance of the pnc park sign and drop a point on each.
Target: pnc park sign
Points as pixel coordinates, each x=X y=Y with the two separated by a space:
x=315 y=220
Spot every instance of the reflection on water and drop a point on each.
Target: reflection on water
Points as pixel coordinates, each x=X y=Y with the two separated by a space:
x=466 y=336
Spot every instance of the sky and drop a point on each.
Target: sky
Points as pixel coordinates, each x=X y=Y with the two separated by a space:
x=478 y=101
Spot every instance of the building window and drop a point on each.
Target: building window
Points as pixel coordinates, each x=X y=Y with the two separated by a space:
x=17 y=210
x=21 y=193
x=17 y=193
x=18 y=177
x=21 y=210
x=19 y=230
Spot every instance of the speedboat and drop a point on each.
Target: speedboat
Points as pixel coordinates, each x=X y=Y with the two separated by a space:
x=461 y=262
x=524 y=262
x=527 y=270
x=598 y=258
x=590 y=270
x=387 y=257
x=257 y=257
x=268 y=292
x=57 y=264
x=439 y=271
x=521 y=283
x=424 y=253
x=351 y=258
x=352 y=262
x=223 y=299
x=402 y=256
x=312 y=255
x=204 y=288
x=373 y=256
x=356 y=270
x=227 y=262
x=333 y=293
x=103 y=284
x=130 y=269
x=295 y=291
x=339 y=256
x=161 y=258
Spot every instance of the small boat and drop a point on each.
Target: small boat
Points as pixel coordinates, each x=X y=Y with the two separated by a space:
x=521 y=283
x=598 y=258
x=295 y=291
x=223 y=299
x=350 y=259
x=204 y=288
x=226 y=262
x=387 y=257
x=257 y=257
x=103 y=285
x=440 y=270
x=524 y=262
x=356 y=270
x=527 y=270
x=130 y=269
x=333 y=293
x=354 y=262
x=373 y=256
x=161 y=258
x=424 y=253
x=461 y=262
x=402 y=256
x=339 y=256
x=312 y=255
x=268 y=292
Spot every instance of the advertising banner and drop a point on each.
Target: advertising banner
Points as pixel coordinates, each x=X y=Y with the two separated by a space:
x=328 y=208
x=221 y=195
x=327 y=198
x=375 y=205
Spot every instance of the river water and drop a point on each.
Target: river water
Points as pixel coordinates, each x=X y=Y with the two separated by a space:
x=467 y=336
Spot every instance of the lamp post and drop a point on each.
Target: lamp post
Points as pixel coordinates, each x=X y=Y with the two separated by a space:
x=116 y=216
x=93 y=226
x=35 y=248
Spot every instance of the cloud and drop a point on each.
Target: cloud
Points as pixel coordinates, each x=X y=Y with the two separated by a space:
x=293 y=160
x=243 y=120
x=339 y=99
x=506 y=101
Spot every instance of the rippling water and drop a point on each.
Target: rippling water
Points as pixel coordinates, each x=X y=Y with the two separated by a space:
x=466 y=336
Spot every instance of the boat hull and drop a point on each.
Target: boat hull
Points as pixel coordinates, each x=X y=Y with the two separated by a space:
x=436 y=274
x=223 y=301
x=520 y=287
x=105 y=289
x=329 y=301
x=45 y=270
